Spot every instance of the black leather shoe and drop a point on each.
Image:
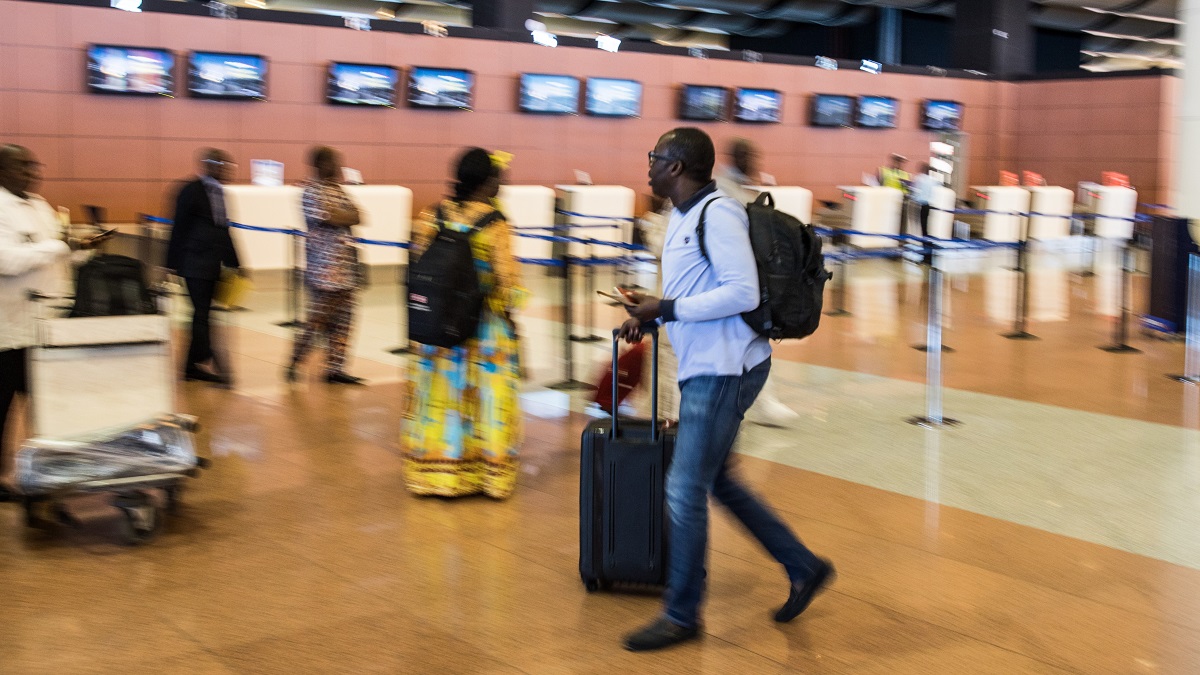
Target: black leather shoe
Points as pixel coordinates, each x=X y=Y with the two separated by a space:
x=659 y=635
x=343 y=378
x=802 y=594
x=204 y=376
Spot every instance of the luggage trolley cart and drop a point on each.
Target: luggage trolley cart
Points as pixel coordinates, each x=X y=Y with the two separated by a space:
x=102 y=403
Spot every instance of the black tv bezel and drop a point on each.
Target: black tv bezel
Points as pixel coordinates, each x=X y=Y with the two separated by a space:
x=925 y=113
x=858 y=111
x=737 y=94
x=329 y=85
x=87 y=56
x=408 y=83
x=227 y=97
x=587 y=90
x=724 y=115
x=521 y=90
x=812 y=111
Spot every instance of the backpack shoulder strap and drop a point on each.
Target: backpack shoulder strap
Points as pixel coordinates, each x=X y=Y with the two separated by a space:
x=487 y=219
x=700 y=228
x=439 y=218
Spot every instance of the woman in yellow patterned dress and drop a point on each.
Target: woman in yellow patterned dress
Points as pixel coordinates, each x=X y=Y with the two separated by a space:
x=462 y=427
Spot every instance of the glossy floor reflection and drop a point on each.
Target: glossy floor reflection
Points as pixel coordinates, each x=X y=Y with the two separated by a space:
x=1053 y=532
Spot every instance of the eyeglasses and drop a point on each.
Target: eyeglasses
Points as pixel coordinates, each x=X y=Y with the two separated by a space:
x=654 y=156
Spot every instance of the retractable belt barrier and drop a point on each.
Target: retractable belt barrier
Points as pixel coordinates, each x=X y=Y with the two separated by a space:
x=937 y=248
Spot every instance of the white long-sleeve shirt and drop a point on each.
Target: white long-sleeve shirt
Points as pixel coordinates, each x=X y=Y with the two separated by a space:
x=30 y=249
x=704 y=297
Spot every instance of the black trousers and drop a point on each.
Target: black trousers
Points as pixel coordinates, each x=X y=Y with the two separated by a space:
x=14 y=379
x=201 y=292
x=924 y=219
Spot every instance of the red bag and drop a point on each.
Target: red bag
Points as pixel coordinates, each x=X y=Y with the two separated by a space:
x=629 y=376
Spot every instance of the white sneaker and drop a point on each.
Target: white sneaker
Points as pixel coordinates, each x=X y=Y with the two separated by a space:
x=771 y=412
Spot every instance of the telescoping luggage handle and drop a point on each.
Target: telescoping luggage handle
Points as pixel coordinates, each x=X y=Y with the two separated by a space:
x=653 y=332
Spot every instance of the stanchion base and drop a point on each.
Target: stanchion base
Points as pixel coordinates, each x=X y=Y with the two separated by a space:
x=1086 y=273
x=399 y=351
x=586 y=338
x=1186 y=379
x=1021 y=335
x=925 y=348
x=572 y=385
x=838 y=312
x=1121 y=349
x=289 y=324
x=930 y=423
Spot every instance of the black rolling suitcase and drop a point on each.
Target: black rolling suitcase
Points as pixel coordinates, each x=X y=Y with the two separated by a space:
x=622 y=495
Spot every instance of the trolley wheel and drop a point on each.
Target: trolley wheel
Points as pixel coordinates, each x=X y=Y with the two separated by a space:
x=141 y=523
x=62 y=515
x=592 y=585
x=174 y=498
x=32 y=517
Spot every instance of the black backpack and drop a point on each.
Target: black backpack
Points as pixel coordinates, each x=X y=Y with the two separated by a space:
x=444 y=295
x=791 y=271
x=112 y=285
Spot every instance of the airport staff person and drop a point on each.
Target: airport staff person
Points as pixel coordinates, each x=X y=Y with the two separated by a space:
x=723 y=364
x=30 y=247
x=895 y=176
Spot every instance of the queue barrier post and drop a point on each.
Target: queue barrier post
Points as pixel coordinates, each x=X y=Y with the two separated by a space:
x=934 y=417
x=1120 y=343
x=1191 y=354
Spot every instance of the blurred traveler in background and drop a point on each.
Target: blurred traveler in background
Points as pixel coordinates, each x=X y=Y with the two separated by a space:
x=30 y=249
x=332 y=276
x=462 y=430
x=199 y=248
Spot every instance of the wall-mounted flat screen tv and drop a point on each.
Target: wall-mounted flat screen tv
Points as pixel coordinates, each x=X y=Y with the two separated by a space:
x=703 y=103
x=130 y=70
x=549 y=94
x=758 y=105
x=221 y=75
x=942 y=115
x=831 y=110
x=362 y=84
x=440 y=88
x=613 y=98
x=876 y=112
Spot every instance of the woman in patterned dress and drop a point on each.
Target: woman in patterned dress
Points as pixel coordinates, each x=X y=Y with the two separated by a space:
x=462 y=428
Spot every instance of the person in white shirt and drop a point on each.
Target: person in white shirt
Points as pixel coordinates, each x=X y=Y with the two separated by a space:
x=30 y=248
x=723 y=364
x=921 y=194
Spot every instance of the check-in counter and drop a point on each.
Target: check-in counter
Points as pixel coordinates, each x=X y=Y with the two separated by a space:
x=1001 y=202
x=794 y=201
x=873 y=209
x=264 y=207
x=529 y=206
x=386 y=212
x=1119 y=204
x=941 y=215
x=597 y=205
x=1054 y=204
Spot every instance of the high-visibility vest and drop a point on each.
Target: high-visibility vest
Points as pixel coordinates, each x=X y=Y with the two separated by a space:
x=893 y=178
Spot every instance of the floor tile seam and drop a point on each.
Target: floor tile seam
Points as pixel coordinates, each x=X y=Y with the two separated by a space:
x=971 y=392
x=975 y=566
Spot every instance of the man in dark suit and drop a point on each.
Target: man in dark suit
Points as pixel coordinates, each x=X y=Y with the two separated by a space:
x=200 y=246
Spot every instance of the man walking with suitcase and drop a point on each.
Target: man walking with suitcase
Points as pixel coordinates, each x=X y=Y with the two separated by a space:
x=723 y=364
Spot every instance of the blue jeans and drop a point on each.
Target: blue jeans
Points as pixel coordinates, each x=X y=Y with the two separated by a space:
x=711 y=409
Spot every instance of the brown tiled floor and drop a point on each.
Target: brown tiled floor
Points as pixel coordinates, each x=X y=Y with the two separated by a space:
x=300 y=551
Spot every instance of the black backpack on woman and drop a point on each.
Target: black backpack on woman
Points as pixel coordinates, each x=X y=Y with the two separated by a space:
x=445 y=298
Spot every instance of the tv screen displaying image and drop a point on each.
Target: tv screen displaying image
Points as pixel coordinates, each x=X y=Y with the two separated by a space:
x=219 y=75
x=613 y=98
x=440 y=88
x=550 y=94
x=876 y=112
x=130 y=70
x=703 y=103
x=831 y=110
x=942 y=115
x=758 y=105
x=362 y=84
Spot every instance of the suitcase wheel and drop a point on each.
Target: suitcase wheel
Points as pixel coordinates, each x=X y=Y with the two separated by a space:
x=142 y=519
